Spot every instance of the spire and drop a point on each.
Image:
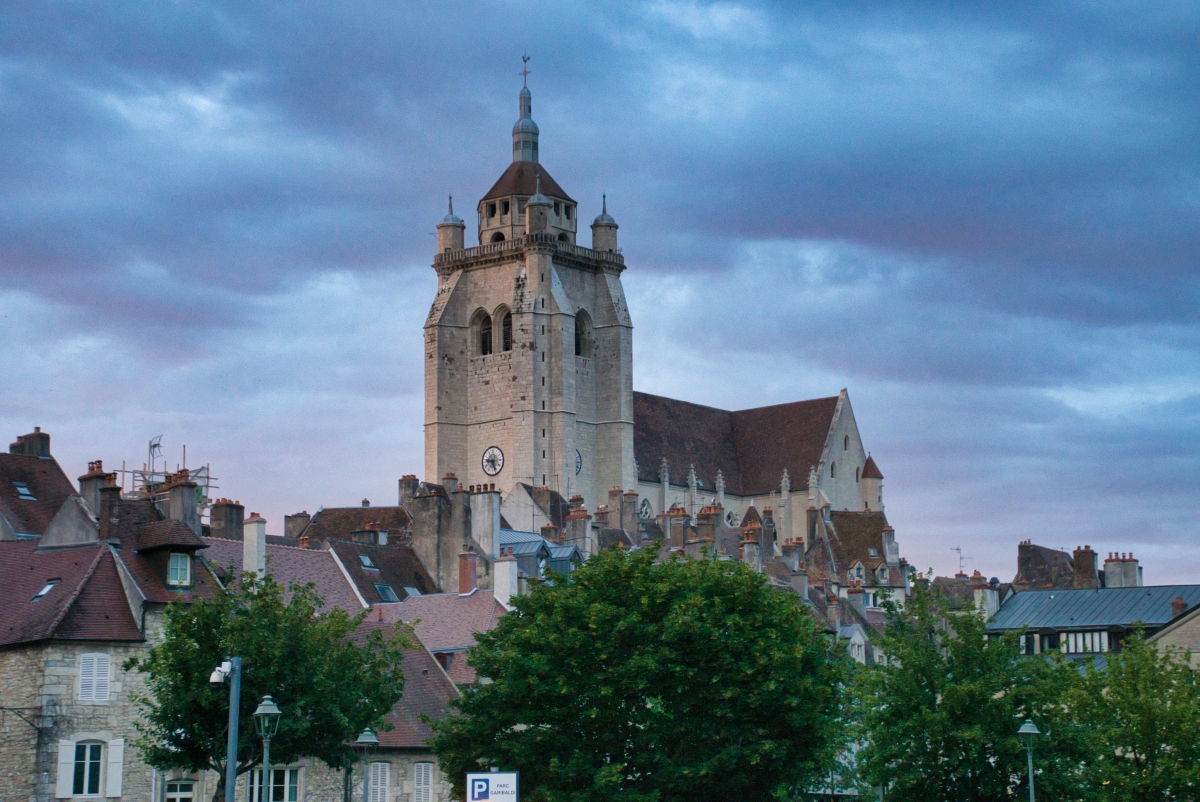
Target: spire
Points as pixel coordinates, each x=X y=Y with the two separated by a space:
x=451 y=219
x=525 y=132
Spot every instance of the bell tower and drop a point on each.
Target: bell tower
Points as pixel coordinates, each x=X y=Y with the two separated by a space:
x=528 y=344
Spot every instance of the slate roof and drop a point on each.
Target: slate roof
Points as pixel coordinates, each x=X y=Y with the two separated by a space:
x=855 y=534
x=1042 y=567
x=291 y=566
x=447 y=622
x=521 y=178
x=47 y=484
x=340 y=522
x=87 y=603
x=396 y=565
x=1092 y=609
x=162 y=534
x=427 y=691
x=751 y=447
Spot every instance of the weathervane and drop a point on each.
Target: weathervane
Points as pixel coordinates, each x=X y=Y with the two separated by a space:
x=524 y=73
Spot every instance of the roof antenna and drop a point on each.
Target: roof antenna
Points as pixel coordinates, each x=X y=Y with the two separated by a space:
x=524 y=73
x=960 y=558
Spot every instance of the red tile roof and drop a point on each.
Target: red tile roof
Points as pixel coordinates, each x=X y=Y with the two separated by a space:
x=447 y=622
x=871 y=470
x=521 y=178
x=751 y=447
x=290 y=566
x=427 y=691
x=87 y=602
x=47 y=484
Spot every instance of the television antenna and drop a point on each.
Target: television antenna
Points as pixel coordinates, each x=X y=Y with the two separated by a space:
x=961 y=559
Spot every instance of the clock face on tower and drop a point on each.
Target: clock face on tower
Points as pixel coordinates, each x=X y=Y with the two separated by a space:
x=493 y=460
x=578 y=462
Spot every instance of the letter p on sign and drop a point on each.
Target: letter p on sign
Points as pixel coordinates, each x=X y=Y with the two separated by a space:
x=479 y=790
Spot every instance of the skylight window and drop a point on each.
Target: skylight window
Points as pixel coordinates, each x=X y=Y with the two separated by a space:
x=411 y=591
x=41 y=594
x=386 y=593
x=365 y=559
x=23 y=492
x=873 y=552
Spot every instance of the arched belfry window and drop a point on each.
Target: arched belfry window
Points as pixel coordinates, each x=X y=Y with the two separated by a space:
x=563 y=238
x=483 y=333
x=506 y=331
x=498 y=236
x=583 y=334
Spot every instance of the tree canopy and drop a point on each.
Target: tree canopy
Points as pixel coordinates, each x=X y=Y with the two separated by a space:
x=328 y=686
x=940 y=721
x=685 y=679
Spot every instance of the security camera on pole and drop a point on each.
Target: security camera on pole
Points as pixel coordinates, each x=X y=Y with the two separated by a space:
x=230 y=669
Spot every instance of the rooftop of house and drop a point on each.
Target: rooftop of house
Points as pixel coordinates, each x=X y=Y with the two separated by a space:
x=448 y=622
x=342 y=522
x=32 y=491
x=374 y=568
x=1092 y=608
x=751 y=447
x=290 y=566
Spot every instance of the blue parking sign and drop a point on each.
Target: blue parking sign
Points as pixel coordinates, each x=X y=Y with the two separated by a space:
x=495 y=786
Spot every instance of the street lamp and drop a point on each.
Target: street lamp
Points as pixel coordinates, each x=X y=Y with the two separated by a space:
x=231 y=669
x=266 y=723
x=366 y=742
x=1027 y=733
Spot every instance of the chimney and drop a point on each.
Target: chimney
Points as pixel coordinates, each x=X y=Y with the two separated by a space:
x=857 y=598
x=707 y=522
x=792 y=553
x=182 y=502
x=505 y=577
x=629 y=517
x=799 y=580
x=1086 y=577
x=90 y=484
x=552 y=533
x=294 y=524
x=408 y=489
x=467 y=568
x=225 y=519
x=450 y=482
x=578 y=527
x=34 y=444
x=751 y=555
x=833 y=611
x=1122 y=571
x=1178 y=607
x=110 y=509
x=254 y=544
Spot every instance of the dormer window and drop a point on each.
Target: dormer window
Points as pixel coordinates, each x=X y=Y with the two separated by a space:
x=873 y=552
x=46 y=588
x=179 y=570
x=365 y=559
x=23 y=492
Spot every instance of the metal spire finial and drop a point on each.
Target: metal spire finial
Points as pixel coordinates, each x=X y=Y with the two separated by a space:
x=604 y=204
x=452 y=205
x=525 y=72
x=538 y=191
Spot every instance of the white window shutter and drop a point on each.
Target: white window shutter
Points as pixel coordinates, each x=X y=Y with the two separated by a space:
x=87 y=677
x=423 y=782
x=380 y=778
x=116 y=767
x=66 y=769
x=103 y=671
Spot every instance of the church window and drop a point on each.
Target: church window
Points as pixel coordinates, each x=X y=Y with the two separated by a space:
x=504 y=207
x=543 y=453
x=491 y=210
x=832 y=470
x=520 y=207
x=498 y=236
x=543 y=381
x=846 y=443
x=857 y=472
x=563 y=238
x=543 y=329
x=506 y=331
x=583 y=334
x=485 y=336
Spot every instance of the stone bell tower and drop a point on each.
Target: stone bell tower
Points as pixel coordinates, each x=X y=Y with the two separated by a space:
x=528 y=344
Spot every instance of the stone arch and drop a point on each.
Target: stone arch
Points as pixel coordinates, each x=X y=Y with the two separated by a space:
x=481 y=332
x=502 y=328
x=563 y=238
x=498 y=237
x=583 y=333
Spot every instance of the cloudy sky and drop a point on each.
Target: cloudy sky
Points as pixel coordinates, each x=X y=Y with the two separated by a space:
x=217 y=221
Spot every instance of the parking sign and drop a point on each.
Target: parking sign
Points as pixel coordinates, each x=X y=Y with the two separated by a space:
x=493 y=786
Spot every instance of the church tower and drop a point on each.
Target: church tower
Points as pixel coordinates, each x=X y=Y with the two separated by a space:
x=528 y=344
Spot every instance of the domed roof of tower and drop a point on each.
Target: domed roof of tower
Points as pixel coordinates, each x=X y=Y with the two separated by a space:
x=521 y=178
x=604 y=218
x=452 y=219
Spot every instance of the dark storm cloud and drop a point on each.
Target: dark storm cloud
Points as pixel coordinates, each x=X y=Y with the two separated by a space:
x=217 y=218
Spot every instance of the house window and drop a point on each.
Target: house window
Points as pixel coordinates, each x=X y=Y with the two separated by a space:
x=423 y=782
x=46 y=588
x=179 y=570
x=386 y=593
x=94 y=670
x=87 y=769
x=181 y=791
x=23 y=492
x=381 y=776
x=366 y=561
x=285 y=786
x=506 y=331
x=411 y=591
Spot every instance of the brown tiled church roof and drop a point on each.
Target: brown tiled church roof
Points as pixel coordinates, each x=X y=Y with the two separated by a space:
x=751 y=447
x=521 y=178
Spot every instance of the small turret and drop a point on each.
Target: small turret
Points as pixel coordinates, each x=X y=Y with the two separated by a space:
x=604 y=229
x=537 y=211
x=451 y=231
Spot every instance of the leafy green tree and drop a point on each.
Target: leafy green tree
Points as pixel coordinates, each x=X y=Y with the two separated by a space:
x=940 y=721
x=329 y=682
x=642 y=680
x=1145 y=711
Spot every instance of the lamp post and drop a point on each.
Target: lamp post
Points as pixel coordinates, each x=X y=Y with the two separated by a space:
x=366 y=742
x=1027 y=733
x=266 y=723
x=231 y=669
